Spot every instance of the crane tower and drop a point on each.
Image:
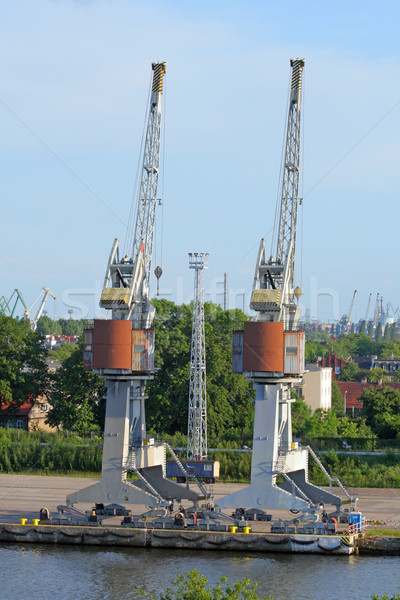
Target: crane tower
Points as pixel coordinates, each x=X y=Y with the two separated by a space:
x=197 y=417
x=270 y=351
x=121 y=349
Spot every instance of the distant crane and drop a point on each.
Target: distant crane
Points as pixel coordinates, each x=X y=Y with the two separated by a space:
x=345 y=321
x=35 y=319
x=368 y=305
x=377 y=311
x=395 y=311
x=5 y=305
x=197 y=416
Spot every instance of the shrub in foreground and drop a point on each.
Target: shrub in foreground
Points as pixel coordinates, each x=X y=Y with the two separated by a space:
x=192 y=586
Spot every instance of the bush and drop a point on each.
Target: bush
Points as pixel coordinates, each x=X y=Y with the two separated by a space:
x=192 y=586
x=58 y=454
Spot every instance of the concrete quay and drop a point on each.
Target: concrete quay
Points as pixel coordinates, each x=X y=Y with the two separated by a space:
x=22 y=496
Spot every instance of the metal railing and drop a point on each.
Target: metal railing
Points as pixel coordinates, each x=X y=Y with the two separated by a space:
x=131 y=466
x=186 y=473
x=327 y=475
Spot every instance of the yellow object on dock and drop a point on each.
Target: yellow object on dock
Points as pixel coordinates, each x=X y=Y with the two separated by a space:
x=23 y=521
x=246 y=529
x=232 y=529
x=36 y=522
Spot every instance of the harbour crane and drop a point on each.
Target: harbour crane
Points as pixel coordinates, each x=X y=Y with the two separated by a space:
x=377 y=311
x=6 y=306
x=345 y=321
x=368 y=305
x=34 y=320
x=270 y=352
x=389 y=308
x=121 y=350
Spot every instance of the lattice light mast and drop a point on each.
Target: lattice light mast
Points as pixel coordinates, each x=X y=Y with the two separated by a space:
x=197 y=418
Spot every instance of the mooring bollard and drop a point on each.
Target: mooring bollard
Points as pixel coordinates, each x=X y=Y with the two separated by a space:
x=246 y=529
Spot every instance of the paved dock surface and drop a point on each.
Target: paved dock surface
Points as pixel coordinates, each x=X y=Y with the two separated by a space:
x=22 y=496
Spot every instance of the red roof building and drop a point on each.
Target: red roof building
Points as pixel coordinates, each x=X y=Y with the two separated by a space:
x=336 y=364
x=352 y=390
x=30 y=416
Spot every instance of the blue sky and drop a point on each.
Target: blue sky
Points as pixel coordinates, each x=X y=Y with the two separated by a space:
x=73 y=94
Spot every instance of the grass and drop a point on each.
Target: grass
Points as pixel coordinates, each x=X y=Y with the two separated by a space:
x=81 y=474
x=383 y=533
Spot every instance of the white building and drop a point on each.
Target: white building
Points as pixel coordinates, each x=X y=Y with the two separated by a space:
x=316 y=387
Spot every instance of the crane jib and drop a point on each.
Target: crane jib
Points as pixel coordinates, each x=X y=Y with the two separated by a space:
x=159 y=72
x=126 y=287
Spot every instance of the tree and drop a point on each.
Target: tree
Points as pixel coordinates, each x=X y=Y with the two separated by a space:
x=337 y=399
x=363 y=327
x=76 y=396
x=62 y=352
x=23 y=370
x=364 y=346
x=301 y=416
x=378 y=333
x=47 y=326
x=166 y=407
x=393 y=332
x=376 y=374
x=71 y=326
x=350 y=372
x=381 y=409
x=314 y=350
x=228 y=394
x=192 y=586
x=386 y=334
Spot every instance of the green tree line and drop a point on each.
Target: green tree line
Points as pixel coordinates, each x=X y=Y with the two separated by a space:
x=77 y=400
x=48 y=326
x=320 y=344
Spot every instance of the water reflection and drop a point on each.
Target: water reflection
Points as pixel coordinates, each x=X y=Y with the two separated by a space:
x=68 y=572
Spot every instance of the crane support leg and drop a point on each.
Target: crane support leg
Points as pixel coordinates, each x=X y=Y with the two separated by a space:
x=263 y=491
x=113 y=486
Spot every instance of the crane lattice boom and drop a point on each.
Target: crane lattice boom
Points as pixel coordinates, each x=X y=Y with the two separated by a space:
x=127 y=280
x=290 y=185
x=144 y=230
x=273 y=295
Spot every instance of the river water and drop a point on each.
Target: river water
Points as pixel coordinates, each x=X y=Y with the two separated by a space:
x=41 y=572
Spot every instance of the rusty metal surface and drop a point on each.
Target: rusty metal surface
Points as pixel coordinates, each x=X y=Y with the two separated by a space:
x=112 y=344
x=263 y=347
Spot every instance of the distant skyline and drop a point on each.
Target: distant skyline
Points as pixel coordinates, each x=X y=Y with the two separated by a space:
x=73 y=95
